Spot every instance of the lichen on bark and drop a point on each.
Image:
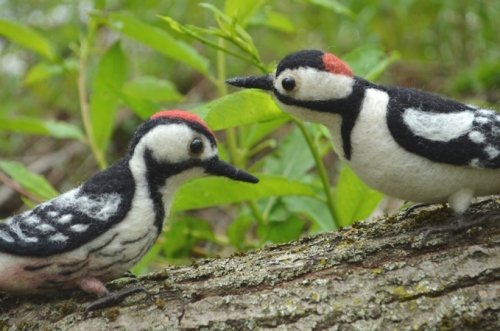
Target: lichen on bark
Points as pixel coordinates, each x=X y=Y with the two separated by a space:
x=389 y=273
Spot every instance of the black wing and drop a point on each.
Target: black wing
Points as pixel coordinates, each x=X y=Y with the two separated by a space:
x=444 y=130
x=71 y=219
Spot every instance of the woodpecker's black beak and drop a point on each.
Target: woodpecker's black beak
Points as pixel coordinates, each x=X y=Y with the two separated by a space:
x=260 y=82
x=218 y=167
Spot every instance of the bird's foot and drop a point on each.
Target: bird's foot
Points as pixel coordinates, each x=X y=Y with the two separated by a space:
x=461 y=224
x=113 y=298
x=407 y=212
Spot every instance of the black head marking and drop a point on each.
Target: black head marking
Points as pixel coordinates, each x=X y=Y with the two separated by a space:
x=306 y=58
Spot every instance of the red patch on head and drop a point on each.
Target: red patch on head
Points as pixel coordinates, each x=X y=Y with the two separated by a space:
x=335 y=65
x=182 y=115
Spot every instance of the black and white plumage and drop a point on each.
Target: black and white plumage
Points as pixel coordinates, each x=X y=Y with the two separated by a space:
x=96 y=232
x=403 y=142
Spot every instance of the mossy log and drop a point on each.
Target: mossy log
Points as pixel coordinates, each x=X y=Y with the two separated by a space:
x=387 y=274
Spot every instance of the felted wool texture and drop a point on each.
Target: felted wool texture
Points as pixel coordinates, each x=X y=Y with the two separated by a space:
x=71 y=219
x=315 y=85
x=102 y=228
x=405 y=143
x=444 y=130
x=383 y=164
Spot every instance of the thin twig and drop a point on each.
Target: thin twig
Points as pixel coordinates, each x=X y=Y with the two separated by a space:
x=7 y=181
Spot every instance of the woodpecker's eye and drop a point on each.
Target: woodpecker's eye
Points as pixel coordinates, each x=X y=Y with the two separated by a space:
x=196 y=146
x=288 y=83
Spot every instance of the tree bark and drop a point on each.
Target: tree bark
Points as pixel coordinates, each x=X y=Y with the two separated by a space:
x=388 y=274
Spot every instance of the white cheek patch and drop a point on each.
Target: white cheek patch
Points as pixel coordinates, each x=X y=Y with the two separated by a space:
x=316 y=85
x=438 y=126
x=169 y=142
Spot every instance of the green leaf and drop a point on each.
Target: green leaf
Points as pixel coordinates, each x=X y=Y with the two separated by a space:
x=353 y=199
x=274 y=20
x=281 y=231
x=334 y=6
x=238 y=230
x=106 y=86
x=153 y=89
x=240 y=108
x=314 y=209
x=38 y=126
x=242 y=10
x=215 y=191
x=147 y=260
x=44 y=70
x=31 y=182
x=27 y=37
x=158 y=40
x=143 y=108
x=369 y=61
x=293 y=159
x=182 y=234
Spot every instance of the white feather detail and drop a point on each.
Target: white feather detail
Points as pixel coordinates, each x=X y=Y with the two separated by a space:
x=45 y=228
x=65 y=218
x=101 y=208
x=5 y=236
x=58 y=237
x=79 y=227
x=438 y=126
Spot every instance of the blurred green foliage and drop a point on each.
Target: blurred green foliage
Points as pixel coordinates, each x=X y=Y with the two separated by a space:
x=90 y=71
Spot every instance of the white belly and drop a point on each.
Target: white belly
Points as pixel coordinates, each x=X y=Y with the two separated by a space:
x=380 y=162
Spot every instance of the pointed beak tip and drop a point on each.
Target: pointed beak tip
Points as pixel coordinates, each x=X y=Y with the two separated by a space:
x=258 y=82
x=233 y=81
x=220 y=168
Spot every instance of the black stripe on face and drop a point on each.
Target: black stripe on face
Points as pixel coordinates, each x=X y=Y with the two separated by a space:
x=156 y=176
x=348 y=108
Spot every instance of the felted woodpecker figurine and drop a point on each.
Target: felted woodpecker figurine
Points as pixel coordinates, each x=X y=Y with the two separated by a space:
x=99 y=230
x=403 y=142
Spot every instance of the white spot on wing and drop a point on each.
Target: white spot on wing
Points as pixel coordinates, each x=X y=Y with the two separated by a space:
x=481 y=120
x=477 y=137
x=5 y=236
x=45 y=228
x=485 y=112
x=53 y=213
x=475 y=163
x=65 y=218
x=31 y=220
x=438 y=126
x=79 y=227
x=58 y=237
x=491 y=151
x=101 y=207
x=17 y=230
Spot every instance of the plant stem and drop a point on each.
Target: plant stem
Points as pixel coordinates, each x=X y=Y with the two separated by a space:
x=232 y=142
x=321 y=170
x=83 y=97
